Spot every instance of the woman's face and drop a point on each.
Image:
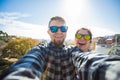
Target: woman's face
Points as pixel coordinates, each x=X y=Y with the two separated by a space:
x=82 y=43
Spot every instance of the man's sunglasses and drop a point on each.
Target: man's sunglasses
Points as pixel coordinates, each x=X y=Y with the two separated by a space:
x=85 y=36
x=54 y=29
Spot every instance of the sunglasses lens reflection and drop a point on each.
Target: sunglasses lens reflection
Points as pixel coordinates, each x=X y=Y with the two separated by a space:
x=63 y=28
x=86 y=37
x=54 y=29
x=79 y=36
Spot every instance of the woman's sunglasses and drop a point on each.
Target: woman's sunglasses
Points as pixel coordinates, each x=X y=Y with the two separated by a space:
x=54 y=29
x=85 y=36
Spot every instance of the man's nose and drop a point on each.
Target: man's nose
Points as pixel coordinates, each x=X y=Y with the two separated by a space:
x=59 y=31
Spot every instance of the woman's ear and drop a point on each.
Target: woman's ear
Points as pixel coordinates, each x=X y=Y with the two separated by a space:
x=90 y=41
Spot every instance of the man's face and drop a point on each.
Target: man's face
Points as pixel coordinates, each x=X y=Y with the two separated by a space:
x=57 y=37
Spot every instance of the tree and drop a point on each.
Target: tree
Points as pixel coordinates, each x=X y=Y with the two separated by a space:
x=3 y=36
x=18 y=47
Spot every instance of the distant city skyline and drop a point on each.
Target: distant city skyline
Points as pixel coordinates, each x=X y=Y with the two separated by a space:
x=30 y=18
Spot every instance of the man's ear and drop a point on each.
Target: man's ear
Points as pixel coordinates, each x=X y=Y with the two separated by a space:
x=48 y=31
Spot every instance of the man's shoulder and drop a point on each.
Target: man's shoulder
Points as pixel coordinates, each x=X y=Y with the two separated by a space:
x=40 y=45
x=73 y=48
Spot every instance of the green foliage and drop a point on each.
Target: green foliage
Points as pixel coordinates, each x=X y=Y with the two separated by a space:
x=115 y=50
x=4 y=64
x=4 y=36
x=17 y=47
x=2 y=45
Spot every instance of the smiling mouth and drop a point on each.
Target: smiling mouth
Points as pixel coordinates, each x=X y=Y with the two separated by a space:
x=81 y=43
x=58 y=36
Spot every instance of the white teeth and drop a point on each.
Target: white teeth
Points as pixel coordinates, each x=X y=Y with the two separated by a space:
x=82 y=43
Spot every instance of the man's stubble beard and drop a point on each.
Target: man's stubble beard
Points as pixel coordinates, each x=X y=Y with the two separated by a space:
x=59 y=43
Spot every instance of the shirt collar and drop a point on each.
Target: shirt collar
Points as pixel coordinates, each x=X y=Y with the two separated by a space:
x=52 y=44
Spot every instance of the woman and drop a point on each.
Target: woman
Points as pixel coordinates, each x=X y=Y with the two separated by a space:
x=83 y=39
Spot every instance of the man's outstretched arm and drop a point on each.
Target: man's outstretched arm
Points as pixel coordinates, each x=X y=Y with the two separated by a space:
x=29 y=67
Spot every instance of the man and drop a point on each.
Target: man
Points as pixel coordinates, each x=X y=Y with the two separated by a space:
x=50 y=61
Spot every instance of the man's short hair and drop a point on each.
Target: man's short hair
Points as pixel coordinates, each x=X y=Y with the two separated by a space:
x=56 y=18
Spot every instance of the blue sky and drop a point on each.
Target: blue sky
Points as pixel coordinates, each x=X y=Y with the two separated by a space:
x=30 y=17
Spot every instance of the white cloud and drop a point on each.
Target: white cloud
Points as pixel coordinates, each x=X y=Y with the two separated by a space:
x=97 y=31
x=15 y=27
x=26 y=29
x=13 y=15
